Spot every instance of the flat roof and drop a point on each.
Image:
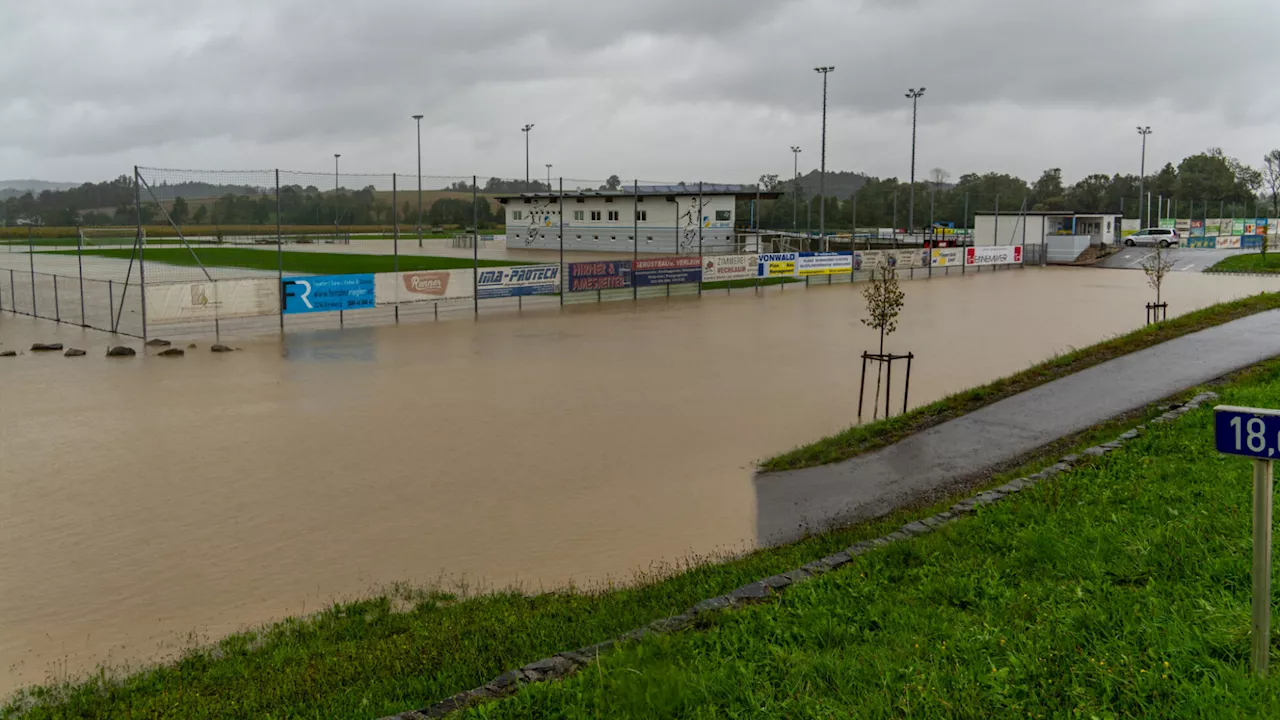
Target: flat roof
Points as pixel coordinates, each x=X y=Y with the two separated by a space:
x=1060 y=213
x=686 y=190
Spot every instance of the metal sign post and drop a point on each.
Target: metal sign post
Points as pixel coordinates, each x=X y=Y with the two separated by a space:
x=1255 y=433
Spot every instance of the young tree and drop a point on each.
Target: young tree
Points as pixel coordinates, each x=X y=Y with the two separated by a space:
x=884 y=303
x=940 y=177
x=1156 y=266
x=201 y=214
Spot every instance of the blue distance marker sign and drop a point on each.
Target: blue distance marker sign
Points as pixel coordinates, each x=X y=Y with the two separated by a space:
x=1251 y=432
x=327 y=293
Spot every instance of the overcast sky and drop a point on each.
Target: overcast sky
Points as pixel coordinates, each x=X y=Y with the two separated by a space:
x=662 y=90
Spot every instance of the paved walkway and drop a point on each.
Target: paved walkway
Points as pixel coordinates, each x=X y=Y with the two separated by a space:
x=1184 y=259
x=789 y=503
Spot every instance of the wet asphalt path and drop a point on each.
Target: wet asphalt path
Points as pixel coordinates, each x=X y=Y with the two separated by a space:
x=791 y=503
x=1184 y=260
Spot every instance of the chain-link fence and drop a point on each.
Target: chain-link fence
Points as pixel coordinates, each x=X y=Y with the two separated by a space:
x=261 y=250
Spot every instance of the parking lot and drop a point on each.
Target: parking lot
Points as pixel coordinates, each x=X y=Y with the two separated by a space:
x=1184 y=260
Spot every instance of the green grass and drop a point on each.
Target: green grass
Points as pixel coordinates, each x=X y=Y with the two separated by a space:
x=1119 y=589
x=864 y=438
x=1249 y=263
x=299 y=262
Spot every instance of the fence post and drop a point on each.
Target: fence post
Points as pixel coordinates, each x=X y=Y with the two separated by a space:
x=563 y=271
x=966 y=227
x=700 y=260
x=80 y=263
x=475 y=243
x=395 y=238
x=57 y=309
x=279 y=253
x=111 y=306
x=635 y=230
x=142 y=264
x=31 y=260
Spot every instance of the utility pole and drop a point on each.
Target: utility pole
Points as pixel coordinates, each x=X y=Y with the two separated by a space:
x=335 y=196
x=526 y=130
x=913 y=95
x=795 y=189
x=822 y=177
x=418 y=119
x=1144 y=131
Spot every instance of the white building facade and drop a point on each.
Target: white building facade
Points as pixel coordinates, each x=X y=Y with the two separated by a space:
x=1034 y=227
x=667 y=219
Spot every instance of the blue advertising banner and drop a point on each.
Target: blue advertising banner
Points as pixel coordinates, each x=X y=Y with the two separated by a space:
x=1202 y=242
x=602 y=275
x=513 y=281
x=327 y=293
x=667 y=271
x=1251 y=241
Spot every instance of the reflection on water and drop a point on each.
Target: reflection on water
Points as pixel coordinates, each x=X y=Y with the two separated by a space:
x=145 y=499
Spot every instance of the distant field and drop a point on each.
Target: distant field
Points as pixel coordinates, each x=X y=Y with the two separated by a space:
x=297 y=262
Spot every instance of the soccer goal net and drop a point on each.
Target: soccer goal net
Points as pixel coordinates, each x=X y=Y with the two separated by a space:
x=108 y=236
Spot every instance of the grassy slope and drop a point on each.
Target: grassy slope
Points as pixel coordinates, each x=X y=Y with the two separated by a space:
x=303 y=262
x=864 y=438
x=1118 y=590
x=1249 y=263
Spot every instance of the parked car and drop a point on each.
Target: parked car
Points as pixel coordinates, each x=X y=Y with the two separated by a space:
x=1164 y=237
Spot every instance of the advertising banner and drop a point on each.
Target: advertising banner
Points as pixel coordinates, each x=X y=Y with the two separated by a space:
x=870 y=260
x=1228 y=242
x=327 y=293
x=776 y=264
x=716 y=268
x=666 y=271
x=824 y=263
x=1167 y=222
x=1197 y=228
x=1128 y=227
x=1212 y=229
x=1253 y=242
x=223 y=299
x=1202 y=242
x=1237 y=226
x=1226 y=227
x=423 y=286
x=904 y=259
x=946 y=257
x=885 y=233
x=993 y=255
x=1182 y=225
x=603 y=275
x=522 y=280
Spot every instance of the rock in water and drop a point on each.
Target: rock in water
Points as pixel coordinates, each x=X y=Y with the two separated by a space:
x=46 y=347
x=220 y=348
x=157 y=342
x=73 y=352
x=172 y=352
x=9 y=353
x=191 y=346
x=121 y=351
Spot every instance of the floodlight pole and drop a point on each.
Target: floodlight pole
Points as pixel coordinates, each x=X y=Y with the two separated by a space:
x=1144 y=131
x=822 y=177
x=526 y=130
x=795 y=189
x=914 y=96
x=418 y=119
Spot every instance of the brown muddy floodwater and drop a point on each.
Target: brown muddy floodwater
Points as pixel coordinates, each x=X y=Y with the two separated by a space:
x=145 y=501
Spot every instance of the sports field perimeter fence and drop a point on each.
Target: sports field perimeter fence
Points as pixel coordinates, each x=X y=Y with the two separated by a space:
x=255 y=251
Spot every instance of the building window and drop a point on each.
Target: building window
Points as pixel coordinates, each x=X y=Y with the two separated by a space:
x=722 y=216
x=648 y=239
x=517 y=215
x=595 y=214
x=613 y=216
x=578 y=214
x=642 y=215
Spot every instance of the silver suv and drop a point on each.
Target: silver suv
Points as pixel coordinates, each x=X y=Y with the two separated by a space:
x=1164 y=237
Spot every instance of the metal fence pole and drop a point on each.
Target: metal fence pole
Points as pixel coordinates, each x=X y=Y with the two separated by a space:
x=279 y=253
x=475 y=243
x=395 y=237
x=80 y=263
x=966 y=227
x=111 y=306
x=562 y=272
x=57 y=310
x=700 y=260
x=635 y=229
x=31 y=260
x=142 y=264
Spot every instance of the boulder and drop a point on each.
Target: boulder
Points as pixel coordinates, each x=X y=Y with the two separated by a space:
x=9 y=353
x=46 y=347
x=74 y=352
x=191 y=346
x=220 y=348
x=157 y=342
x=121 y=351
x=172 y=352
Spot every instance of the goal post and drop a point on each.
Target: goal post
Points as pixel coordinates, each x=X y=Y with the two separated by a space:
x=121 y=236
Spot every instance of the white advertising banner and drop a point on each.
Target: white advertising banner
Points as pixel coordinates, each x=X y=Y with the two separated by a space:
x=716 y=268
x=776 y=264
x=993 y=255
x=824 y=263
x=224 y=299
x=947 y=257
x=520 y=280
x=904 y=259
x=1228 y=243
x=423 y=286
x=867 y=260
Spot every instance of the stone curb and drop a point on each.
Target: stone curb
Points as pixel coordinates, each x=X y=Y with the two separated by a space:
x=563 y=664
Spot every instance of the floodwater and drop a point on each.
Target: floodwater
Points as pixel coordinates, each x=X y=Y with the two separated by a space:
x=145 y=501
